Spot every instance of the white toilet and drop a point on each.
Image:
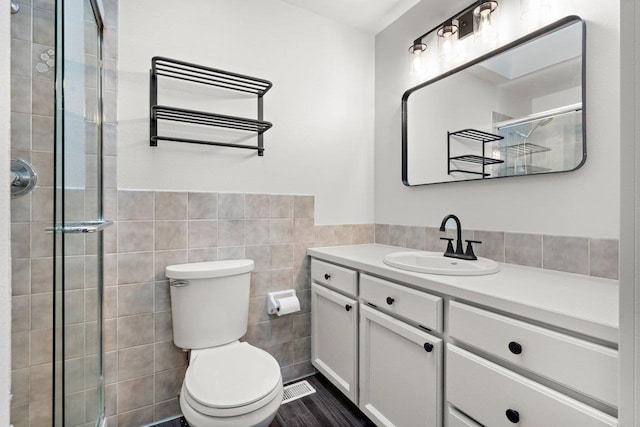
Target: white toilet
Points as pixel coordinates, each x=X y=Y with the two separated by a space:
x=228 y=383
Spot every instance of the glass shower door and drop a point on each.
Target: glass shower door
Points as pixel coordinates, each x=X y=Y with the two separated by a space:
x=78 y=222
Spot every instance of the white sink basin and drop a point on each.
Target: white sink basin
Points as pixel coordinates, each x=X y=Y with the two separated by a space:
x=436 y=263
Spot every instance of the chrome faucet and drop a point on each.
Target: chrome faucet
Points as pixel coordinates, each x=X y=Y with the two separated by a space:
x=458 y=253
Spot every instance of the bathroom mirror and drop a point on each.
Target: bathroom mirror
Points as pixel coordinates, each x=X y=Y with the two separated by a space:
x=516 y=111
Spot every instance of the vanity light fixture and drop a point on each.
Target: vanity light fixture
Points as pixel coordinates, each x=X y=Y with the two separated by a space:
x=477 y=18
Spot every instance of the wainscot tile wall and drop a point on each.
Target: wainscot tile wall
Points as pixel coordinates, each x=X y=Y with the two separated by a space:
x=582 y=255
x=143 y=368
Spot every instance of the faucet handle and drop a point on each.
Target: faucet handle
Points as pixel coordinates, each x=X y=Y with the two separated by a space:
x=449 y=250
x=469 y=252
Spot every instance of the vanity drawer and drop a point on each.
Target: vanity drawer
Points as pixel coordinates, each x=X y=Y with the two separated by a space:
x=588 y=368
x=419 y=307
x=490 y=394
x=339 y=278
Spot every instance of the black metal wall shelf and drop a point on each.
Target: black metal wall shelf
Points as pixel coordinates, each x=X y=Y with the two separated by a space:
x=527 y=148
x=473 y=135
x=172 y=68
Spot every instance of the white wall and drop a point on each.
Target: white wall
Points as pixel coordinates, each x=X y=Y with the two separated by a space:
x=582 y=203
x=321 y=105
x=5 y=250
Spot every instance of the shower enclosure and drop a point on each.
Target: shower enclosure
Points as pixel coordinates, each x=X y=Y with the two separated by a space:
x=77 y=216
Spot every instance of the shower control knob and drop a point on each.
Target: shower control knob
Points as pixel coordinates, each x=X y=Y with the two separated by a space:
x=390 y=300
x=513 y=415
x=347 y=307
x=515 y=348
x=327 y=276
x=428 y=347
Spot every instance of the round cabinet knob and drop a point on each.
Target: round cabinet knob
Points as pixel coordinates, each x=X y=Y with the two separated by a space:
x=327 y=276
x=390 y=300
x=515 y=348
x=347 y=307
x=513 y=416
x=428 y=347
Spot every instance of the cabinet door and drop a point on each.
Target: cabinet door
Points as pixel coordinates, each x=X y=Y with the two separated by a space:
x=334 y=338
x=400 y=372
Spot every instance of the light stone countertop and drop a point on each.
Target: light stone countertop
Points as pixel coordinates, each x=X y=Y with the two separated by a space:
x=582 y=304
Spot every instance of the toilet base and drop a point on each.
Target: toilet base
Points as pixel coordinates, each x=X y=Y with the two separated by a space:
x=259 y=418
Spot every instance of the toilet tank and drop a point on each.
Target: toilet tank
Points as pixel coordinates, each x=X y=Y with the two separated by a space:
x=209 y=302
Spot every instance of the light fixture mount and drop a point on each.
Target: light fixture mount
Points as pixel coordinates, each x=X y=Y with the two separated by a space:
x=417 y=47
x=465 y=24
x=448 y=29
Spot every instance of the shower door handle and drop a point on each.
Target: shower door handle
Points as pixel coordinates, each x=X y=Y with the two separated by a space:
x=81 y=227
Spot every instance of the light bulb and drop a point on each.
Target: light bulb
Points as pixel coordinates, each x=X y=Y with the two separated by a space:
x=447 y=46
x=417 y=64
x=447 y=41
x=485 y=20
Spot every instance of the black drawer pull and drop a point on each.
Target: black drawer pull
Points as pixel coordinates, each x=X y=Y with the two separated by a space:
x=390 y=300
x=347 y=307
x=513 y=415
x=515 y=348
x=327 y=276
x=428 y=347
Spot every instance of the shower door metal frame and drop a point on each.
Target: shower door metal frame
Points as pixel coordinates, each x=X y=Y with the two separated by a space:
x=62 y=227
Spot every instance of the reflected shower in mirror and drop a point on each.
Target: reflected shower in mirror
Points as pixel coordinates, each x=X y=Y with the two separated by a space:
x=515 y=111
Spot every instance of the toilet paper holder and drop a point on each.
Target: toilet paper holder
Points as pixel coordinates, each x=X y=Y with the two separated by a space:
x=273 y=297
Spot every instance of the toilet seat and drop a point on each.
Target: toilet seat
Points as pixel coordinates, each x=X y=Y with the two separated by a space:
x=231 y=380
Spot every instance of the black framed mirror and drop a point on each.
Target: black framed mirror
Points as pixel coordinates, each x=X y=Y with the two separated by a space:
x=516 y=111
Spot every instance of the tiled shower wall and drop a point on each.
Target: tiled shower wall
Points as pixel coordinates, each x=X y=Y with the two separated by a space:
x=581 y=255
x=144 y=370
x=32 y=138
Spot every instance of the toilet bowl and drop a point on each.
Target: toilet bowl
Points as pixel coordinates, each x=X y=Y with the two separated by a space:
x=228 y=383
x=232 y=385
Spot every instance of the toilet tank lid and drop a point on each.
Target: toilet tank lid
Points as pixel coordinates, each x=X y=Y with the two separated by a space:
x=209 y=269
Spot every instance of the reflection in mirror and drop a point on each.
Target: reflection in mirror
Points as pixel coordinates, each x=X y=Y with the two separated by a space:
x=515 y=111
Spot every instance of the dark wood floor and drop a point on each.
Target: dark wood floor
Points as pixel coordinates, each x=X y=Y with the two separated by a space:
x=327 y=407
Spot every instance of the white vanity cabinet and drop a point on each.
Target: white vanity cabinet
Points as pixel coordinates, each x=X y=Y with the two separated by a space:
x=440 y=351
x=400 y=372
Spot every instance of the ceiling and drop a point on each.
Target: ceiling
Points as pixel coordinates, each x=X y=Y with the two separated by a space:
x=371 y=16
